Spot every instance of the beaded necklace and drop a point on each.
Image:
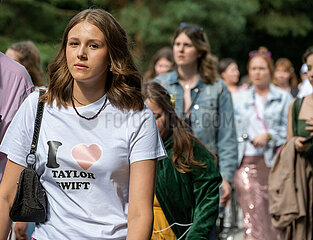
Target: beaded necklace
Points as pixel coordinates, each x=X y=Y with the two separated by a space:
x=88 y=118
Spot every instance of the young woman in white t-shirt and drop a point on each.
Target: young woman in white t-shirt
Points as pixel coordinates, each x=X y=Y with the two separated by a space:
x=98 y=142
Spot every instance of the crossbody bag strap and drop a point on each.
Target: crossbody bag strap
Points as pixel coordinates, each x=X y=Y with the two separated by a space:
x=194 y=100
x=37 y=125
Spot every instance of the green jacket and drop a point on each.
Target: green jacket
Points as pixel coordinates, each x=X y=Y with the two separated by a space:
x=191 y=197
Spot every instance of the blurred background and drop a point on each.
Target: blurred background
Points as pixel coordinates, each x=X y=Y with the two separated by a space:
x=234 y=27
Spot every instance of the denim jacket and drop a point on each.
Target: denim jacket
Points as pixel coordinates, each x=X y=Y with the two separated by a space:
x=212 y=118
x=275 y=119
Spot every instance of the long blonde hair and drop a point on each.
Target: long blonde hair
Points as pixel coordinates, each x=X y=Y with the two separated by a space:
x=123 y=84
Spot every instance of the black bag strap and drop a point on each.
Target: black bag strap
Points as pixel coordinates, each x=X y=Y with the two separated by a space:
x=194 y=100
x=38 y=119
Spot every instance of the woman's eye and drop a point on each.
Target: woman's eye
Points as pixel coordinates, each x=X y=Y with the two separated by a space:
x=94 y=46
x=73 y=43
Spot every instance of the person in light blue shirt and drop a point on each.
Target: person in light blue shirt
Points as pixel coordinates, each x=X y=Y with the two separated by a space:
x=261 y=124
x=202 y=99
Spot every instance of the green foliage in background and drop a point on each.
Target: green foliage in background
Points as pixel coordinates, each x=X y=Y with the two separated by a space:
x=234 y=27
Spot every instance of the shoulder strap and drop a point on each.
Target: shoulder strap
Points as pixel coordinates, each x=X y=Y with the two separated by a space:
x=194 y=100
x=295 y=114
x=38 y=119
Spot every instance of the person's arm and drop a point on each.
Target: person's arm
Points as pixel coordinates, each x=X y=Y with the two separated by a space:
x=289 y=122
x=206 y=182
x=226 y=142
x=8 y=188
x=278 y=132
x=141 y=193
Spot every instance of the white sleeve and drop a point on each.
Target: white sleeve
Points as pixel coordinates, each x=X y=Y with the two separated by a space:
x=18 y=137
x=144 y=138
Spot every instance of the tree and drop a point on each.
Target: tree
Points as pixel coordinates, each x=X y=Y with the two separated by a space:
x=234 y=27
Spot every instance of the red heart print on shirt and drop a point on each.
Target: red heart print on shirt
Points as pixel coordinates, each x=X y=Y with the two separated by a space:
x=86 y=156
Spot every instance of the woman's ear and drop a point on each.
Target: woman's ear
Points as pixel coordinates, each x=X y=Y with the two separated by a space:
x=223 y=75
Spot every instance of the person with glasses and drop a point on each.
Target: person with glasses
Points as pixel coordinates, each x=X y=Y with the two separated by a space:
x=202 y=98
x=261 y=124
x=187 y=181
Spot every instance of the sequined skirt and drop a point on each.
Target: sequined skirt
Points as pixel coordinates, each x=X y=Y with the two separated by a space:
x=251 y=184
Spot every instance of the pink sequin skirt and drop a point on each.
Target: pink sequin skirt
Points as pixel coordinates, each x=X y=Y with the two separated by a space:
x=251 y=185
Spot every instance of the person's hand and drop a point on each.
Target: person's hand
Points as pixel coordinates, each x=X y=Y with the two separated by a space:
x=299 y=146
x=227 y=192
x=260 y=140
x=20 y=230
x=309 y=128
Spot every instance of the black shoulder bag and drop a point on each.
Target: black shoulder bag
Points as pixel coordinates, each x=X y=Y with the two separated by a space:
x=30 y=203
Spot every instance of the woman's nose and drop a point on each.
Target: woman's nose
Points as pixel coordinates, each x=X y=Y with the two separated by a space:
x=82 y=53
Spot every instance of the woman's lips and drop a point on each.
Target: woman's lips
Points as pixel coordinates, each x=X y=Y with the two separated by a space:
x=80 y=66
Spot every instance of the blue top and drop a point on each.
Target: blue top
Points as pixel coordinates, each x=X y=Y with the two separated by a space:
x=212 y=118
x=275 y=119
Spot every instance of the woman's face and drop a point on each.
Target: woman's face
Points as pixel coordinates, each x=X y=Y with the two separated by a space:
x=185 y=53
x=12 y=54
x=259 y=72
x=87 y=53
x=162 y=66
x=160 y=118
x=282 y=75
x=231 y=74
x=309 y=62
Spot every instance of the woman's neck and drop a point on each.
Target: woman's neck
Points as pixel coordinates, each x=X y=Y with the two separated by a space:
x=188 y=75
x=86 y=95
x=285 y=86
x=262 y=90
x=232 y=87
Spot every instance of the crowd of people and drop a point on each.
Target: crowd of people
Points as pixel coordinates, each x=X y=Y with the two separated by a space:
x=123 y=156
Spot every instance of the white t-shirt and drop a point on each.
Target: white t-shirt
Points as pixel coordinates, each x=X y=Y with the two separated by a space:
x=305 y=89
x=84 y=165
x=256 y=127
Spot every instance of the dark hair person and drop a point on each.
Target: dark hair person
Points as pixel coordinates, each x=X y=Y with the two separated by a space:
x=302 y=127
x=202 y=98
x=229 y=72
x=261 y=124
x=101 y=140
x=187 y=182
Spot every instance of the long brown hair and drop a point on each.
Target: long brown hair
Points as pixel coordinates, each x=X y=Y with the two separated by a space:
x=29 y=56
x=183 y=156
x=123 y=84
x=207 y=62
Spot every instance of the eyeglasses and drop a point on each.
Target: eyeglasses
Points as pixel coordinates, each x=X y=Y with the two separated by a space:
x=194 y=27
x=157 y=115
x=255 y=52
